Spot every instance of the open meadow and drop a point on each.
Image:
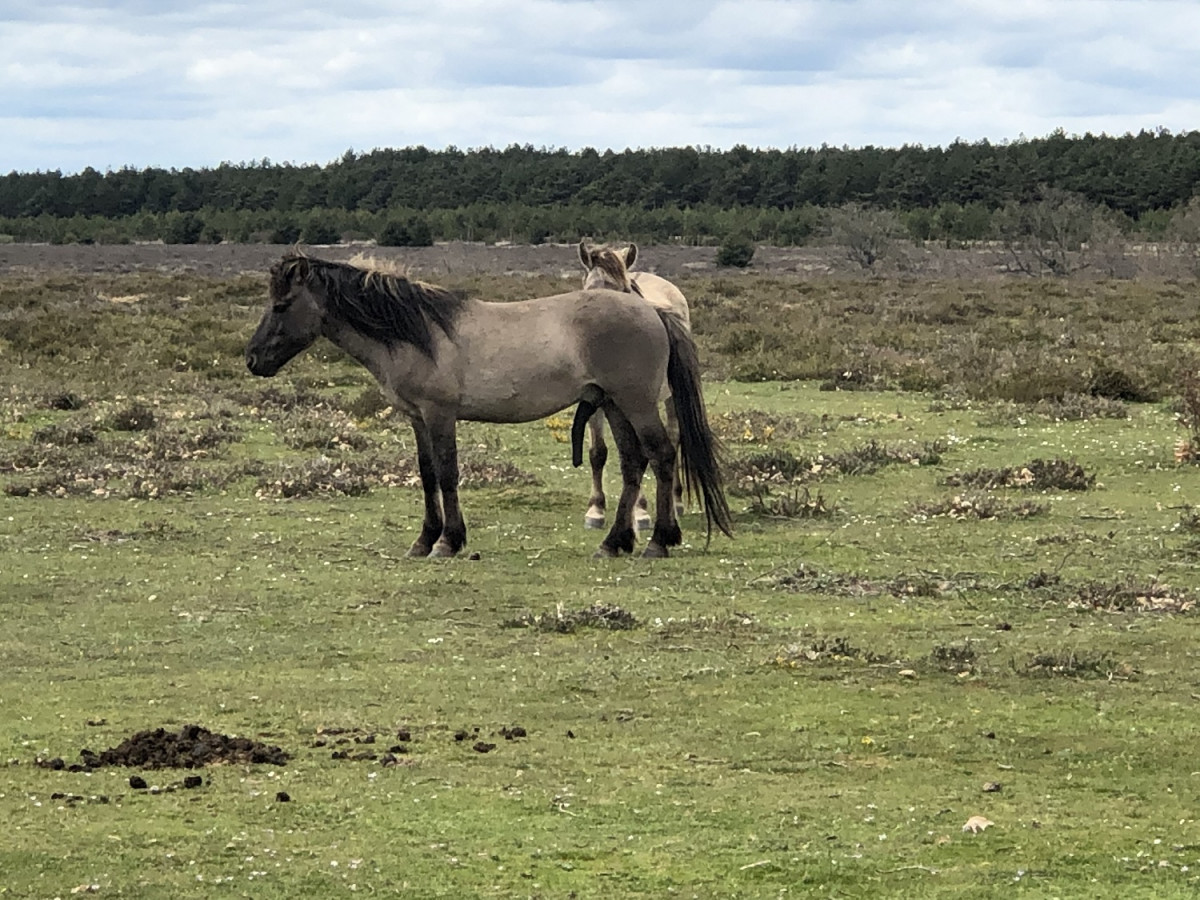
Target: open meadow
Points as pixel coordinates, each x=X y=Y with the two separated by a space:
x=962 y=592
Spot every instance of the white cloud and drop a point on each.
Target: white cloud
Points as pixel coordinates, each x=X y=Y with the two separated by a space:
x=158 y=82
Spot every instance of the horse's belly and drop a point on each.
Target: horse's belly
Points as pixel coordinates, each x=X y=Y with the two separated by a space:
x=518 y=401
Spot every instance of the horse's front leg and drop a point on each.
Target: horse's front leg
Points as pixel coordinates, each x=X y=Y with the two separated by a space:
x=597 y=456
x=431 y=527
x=445 y=462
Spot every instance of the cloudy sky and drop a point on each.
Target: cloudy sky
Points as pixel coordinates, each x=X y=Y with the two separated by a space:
x=171 y=83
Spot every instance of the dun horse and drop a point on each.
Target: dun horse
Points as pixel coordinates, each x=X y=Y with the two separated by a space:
x=440 y=357
x=606 y=267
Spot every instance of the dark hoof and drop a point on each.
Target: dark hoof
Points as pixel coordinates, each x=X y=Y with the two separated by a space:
x=654 y=551
x=593 y=521
x=641 y=523
x=603 y=552
x=417 y=551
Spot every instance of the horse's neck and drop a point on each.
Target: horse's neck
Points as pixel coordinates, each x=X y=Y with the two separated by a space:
x=374 y=356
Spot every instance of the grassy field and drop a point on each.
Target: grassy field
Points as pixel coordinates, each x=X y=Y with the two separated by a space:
x=963 y=585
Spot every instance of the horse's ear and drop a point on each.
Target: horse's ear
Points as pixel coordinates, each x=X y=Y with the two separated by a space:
x=630 y=255
x=289 y=271
x=585 y=254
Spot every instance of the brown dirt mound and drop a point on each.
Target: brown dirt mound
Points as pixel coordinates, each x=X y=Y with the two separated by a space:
x=189 y=748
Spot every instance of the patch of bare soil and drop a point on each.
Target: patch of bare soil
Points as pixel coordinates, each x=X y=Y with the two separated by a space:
x=191 y=747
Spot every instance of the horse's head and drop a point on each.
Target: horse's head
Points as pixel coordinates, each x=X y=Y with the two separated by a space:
x=293 y=319
x=605 y=267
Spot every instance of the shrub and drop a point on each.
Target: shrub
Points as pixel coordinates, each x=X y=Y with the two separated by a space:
x=285 y=233
x=411 y=233
x=182 y=228
x=318 y=231
x=736 y=252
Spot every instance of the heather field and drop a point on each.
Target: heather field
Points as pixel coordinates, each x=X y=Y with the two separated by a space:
x=952 y=649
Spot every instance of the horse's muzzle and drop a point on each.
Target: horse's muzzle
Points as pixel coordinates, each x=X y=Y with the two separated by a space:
x=259 y=366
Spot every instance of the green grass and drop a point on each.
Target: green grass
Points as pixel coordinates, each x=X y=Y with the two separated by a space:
x=813 y=708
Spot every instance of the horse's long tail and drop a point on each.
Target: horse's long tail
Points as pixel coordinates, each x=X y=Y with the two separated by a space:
x=699 y=449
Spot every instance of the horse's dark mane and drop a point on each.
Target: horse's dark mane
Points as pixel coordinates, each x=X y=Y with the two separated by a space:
x=612 y=265
x=387 y=308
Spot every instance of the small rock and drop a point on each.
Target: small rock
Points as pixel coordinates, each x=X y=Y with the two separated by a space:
x=474 y=556
x=992 y=787
x=283 y=797
x=483 y=747
x=193 y=781
x=907 y=673
x=137 y=782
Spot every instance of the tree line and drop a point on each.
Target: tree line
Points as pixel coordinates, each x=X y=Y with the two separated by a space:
x=520 y=193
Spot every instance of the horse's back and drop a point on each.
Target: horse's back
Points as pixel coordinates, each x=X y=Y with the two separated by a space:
x=662 y=294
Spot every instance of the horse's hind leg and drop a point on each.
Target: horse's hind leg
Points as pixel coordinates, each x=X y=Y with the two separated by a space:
x=597 y=457
x=659 y=447
x=673 y=434
x=621 y=536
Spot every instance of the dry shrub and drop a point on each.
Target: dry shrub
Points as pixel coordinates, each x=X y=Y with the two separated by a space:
x=922 y=584
x=838 y=649
x=65 y=434
x=977 y=506
x=798 y=503
x=773 y=467
x=1036 y=475
x=325 y=430
x=1132 y=596
x=868 y=458
x=855 y=380
x=357 y=475
x=63 y=400
x=1116 y=383
x=370 y=403
x=147 y=480
x=1075 y=664
x=599 y=615
x=754 y=426
x=955 y=657
x=134 y=416
x=1187 y=412
x=1072 y=407
x=322 y=476
x=749 y=474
